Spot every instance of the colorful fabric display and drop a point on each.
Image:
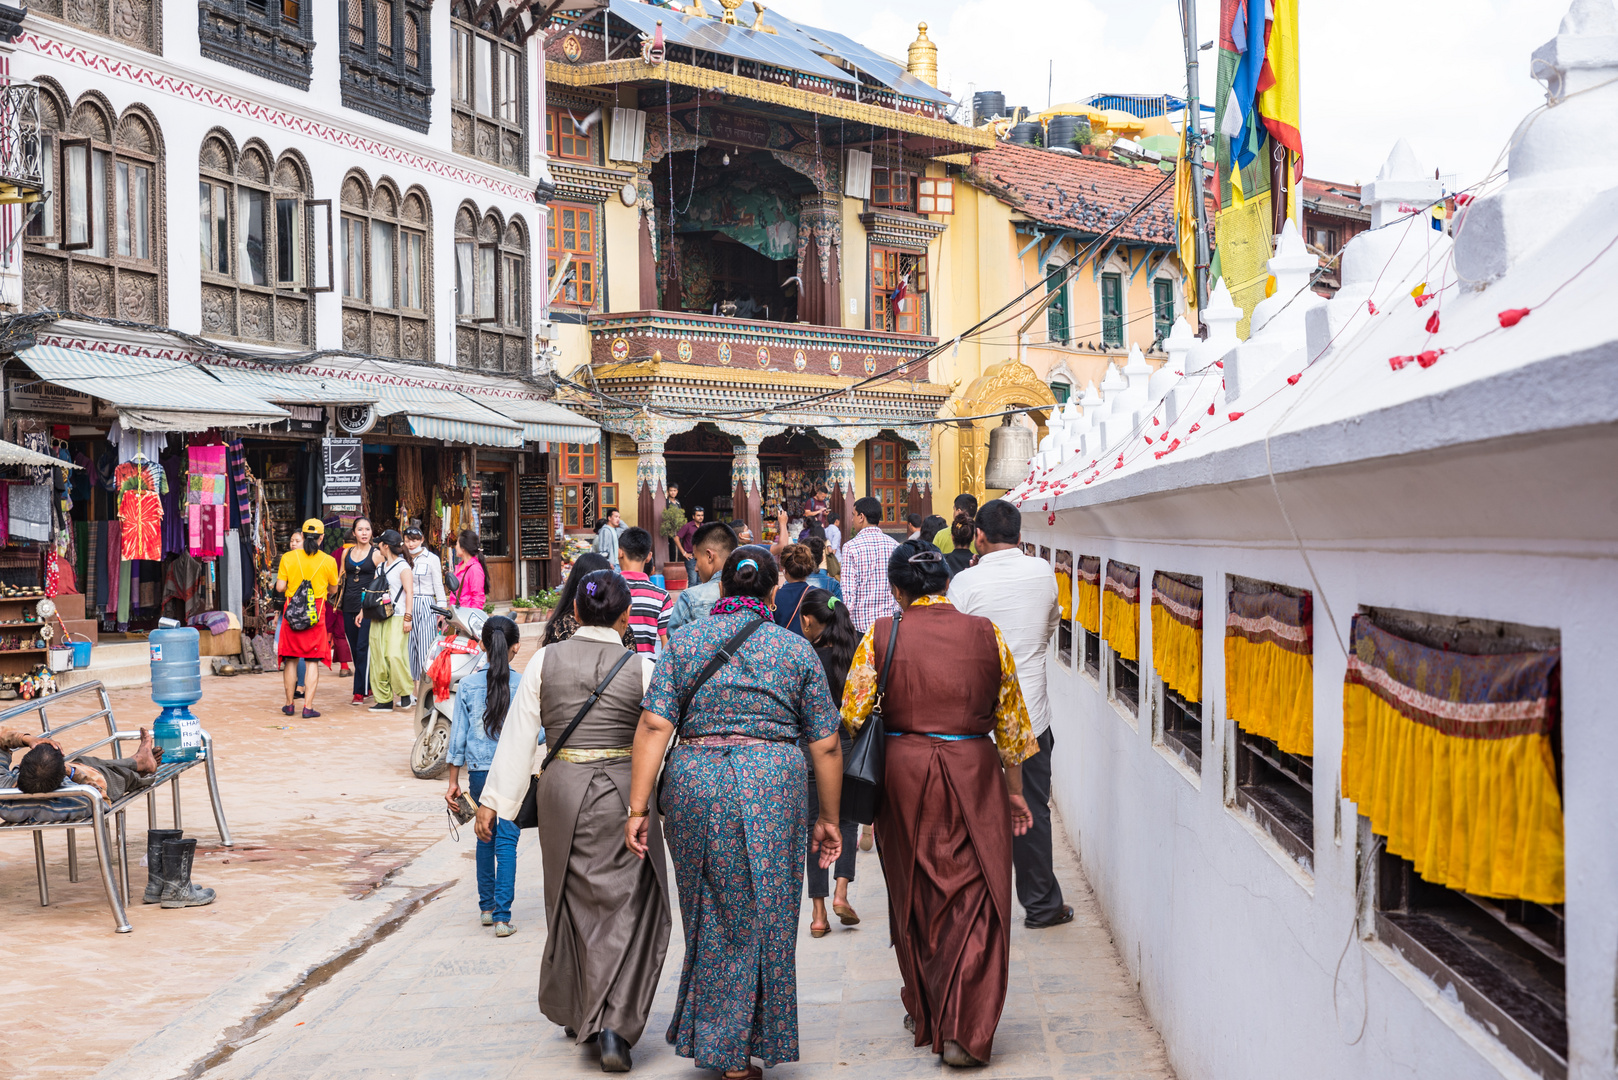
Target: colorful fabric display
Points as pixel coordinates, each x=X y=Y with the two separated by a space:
x=30 y=510
x=1088 y=571
x=1177 y=634
x=237 y=459
x=1269 y=667
x=1450 y=757
x=1120 y=610
x=205 y=500
x=140 y=509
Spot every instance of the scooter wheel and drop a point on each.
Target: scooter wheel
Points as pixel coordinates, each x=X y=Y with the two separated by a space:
x=429 y=757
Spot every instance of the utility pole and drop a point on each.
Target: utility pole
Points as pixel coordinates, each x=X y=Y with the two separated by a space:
x=1193 y=150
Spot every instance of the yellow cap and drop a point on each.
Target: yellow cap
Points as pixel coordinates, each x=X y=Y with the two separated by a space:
x=316 y=526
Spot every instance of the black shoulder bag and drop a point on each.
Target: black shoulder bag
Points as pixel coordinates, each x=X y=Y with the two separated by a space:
x=862 y=772
x=528 y=814
x=720 y=659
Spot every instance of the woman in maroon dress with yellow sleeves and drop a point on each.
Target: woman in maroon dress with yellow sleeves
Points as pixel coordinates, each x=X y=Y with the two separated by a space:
x=958 y=732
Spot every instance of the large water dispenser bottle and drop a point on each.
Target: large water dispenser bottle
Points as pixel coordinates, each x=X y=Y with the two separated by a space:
x=177 y=685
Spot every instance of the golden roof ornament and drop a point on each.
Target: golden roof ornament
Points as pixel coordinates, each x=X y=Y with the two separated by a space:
x=730 y=7
x=923 y=59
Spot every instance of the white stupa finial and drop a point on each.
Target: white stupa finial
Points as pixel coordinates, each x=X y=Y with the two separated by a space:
x=1402 y=181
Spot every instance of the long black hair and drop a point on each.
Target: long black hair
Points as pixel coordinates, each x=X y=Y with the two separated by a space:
x=499 y=635
x=473 y=546
x=587 y=563
x=837 y=640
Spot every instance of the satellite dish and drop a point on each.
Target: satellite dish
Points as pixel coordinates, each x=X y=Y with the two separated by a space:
x=356 y=419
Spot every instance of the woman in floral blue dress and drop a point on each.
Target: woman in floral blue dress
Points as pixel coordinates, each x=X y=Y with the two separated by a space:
x=733 y=801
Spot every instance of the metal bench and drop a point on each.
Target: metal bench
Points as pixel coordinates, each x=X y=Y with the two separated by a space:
x=88 y=703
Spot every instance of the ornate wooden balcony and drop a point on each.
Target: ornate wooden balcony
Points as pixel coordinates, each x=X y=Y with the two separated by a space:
x=750 y=345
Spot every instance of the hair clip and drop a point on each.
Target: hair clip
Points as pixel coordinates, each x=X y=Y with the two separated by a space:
x=831 y=602
x=590 y=587
x=927 y=557
x=748 y=562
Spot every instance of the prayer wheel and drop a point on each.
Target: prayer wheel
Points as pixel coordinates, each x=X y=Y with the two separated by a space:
x=1010 y=448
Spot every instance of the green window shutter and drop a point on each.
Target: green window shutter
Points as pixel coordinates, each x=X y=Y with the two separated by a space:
x=1112 y=310
x=1056 y=312
x=1163 y=308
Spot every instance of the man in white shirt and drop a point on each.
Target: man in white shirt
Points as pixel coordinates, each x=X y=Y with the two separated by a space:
x=1017 y=592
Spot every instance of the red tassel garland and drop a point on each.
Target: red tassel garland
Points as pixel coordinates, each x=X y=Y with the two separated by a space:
x=1432 y=323
x=1512 y=316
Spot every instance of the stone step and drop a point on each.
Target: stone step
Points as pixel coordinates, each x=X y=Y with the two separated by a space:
x=120 y=666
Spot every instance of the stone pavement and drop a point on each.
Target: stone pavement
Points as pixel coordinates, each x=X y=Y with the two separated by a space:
x=444 y=998
x=324 y=813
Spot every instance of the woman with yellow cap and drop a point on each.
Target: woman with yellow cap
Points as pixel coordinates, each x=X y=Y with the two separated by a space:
x=313 y=567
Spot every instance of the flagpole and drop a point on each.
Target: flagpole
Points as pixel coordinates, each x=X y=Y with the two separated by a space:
x=1193 y=150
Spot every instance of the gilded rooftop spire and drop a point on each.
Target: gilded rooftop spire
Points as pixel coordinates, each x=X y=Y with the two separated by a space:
x=923 y=60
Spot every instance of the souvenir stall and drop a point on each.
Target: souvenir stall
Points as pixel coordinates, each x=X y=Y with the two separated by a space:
x=41 y=611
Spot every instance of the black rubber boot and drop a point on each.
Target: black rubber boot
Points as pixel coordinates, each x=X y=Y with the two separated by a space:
x=178 y=892
x=614 y=1052
x=154 y=862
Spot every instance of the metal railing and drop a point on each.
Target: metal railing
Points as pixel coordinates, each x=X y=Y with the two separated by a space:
x=22 y=161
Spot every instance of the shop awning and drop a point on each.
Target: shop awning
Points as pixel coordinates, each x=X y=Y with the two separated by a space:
x=12 y=454
x=545 y=421
x=449 y=415
x=293 y=387
x=152 y=393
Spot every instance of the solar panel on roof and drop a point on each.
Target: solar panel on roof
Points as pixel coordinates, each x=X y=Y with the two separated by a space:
x=884 y=70
x=711 y=35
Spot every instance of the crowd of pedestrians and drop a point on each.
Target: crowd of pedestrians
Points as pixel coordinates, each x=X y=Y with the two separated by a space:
x=708 y=732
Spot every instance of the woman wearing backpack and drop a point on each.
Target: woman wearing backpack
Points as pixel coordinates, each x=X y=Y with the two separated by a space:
x=307 y=578
x=388 y=604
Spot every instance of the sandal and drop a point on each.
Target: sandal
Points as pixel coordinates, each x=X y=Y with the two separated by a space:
x=753 y=1073
x=819 y=931
x=846 y=914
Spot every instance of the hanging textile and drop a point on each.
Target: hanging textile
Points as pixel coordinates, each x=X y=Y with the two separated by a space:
x=95 y=578
x=140 y=508
x=1269 y=667
x=412 y=494
x=40 y=443
x=30 y=511
x=132 y=444
x=242 y=495
x=1120 y=610
x=53 y=576
x=233 y=573
x=1088 y=570
x=5 y=511
x=1450 y=757
x=1064 y=591
x=205 y=499
x=183 y=578
x=1177 y=634
x=173 y=500
x=113 y=552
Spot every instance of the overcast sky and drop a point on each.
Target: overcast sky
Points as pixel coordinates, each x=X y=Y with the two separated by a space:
x=1451 y=76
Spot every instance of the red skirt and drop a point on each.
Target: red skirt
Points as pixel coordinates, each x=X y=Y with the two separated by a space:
x=311 y=644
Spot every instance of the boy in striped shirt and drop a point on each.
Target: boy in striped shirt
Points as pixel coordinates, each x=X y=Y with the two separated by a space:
x=649 y=605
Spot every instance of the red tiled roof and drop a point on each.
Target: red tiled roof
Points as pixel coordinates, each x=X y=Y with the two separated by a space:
x=1079 y=193
x=1328 y=197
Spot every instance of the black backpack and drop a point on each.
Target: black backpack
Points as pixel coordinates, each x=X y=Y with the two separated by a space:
x=300 y=611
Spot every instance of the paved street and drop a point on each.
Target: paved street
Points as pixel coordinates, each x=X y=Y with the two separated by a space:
x=443 y=997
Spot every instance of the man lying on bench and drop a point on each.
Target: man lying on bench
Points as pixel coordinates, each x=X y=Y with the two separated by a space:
x=44 y=769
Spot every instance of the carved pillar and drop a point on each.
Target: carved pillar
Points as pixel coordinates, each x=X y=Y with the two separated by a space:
x=840 y=482
x=746 y=485
x=919 y=467
x=648 y=264
x=651 y=483
x=820 y=242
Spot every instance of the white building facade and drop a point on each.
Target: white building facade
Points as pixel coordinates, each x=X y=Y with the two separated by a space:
x=363 y=175
x=1387 y=492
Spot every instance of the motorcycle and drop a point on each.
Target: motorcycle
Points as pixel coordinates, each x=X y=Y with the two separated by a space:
x=463 y=634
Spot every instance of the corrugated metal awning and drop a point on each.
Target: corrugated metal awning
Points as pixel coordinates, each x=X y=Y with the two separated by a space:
x=12 y=454
x=450 y=416
x=545 y=421
x=151 y=393
x=293 y=387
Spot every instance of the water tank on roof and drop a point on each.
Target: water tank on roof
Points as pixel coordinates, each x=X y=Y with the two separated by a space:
x=1025 y=134
x=1062 y=129
x=987 y=103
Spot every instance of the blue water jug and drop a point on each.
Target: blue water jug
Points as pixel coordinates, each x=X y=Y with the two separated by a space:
x=176 y=685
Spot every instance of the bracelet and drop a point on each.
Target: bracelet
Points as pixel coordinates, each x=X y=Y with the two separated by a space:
x=641 y=813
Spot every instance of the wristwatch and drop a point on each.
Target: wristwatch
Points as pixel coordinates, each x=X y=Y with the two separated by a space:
x=641 y=813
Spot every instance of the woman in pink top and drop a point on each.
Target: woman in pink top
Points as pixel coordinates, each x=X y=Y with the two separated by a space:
x=472 y=571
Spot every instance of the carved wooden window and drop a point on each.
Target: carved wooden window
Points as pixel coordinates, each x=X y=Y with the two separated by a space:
x=891 y=188
x=130 y=22
x=488 y=117
x=898 y=291
x=97 y=246
x=571 y=228
x=581 y=461
x=274 y=39
x=256 y=245
x=384 y=269
x=564 y=139
x=386 y=60
x=491 y=292
x=887 y=463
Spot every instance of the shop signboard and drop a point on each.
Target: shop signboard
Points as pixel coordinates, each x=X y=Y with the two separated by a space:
x=344 y=473
x=31 y=395
x=533 y=504
x=305 y=420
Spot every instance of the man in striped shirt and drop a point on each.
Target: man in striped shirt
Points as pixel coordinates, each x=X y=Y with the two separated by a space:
x=649 y=605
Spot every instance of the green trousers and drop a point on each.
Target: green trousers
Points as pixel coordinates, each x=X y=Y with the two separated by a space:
x=390 y=661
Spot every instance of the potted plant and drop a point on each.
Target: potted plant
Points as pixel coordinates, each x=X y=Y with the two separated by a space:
x=673 y=521
x=522 y=609
x=544 y=608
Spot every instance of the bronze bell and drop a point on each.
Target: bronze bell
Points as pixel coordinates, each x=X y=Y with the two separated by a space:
x=1010 y=448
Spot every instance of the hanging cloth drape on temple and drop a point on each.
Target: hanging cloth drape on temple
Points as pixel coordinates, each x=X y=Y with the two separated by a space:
x=1120 y=610
x=1450 y=757
x=1088 y=570
x=1177 y=634
x=1269 y=667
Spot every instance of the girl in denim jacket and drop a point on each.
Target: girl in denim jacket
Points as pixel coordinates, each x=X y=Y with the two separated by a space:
x=481 y=702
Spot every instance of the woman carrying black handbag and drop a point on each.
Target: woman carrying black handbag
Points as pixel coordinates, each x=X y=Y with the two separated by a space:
x=955 y=734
